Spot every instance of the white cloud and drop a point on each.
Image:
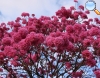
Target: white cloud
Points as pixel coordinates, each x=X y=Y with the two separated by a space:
x=13 y=8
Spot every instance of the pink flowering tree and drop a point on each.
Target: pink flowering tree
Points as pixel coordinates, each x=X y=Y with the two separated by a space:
x=51 y=47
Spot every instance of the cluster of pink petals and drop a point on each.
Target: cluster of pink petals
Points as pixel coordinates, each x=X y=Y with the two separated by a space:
x=77 y=74
x=1 y=55
x=6 y=41
x=16 y=37
x=68 y=65
x=81 y=7
x=24 y=14
x=23 y=32
x=91 y=62
x=75 y=0
x=69 y=29
x=22 y=45
x=87 y=12
x=72 y=8
x=15 y=63
x=77 y=27
x=17 y=24
x=34 y=39
x=70 y=47
x=83 y=35
x=33 y=57
x=58 y=41
x=86 y=42
x=10 y=52
x=87 y=54
x=94 y=31
x=97 y=73
x=50 y=41
x=63 y=13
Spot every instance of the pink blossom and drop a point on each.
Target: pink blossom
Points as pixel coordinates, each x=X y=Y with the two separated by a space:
x=1 y=55
x=27 y=60
x=63 y=13
x=7 y=35
x=12 y=23
x=23 y=32
x=50 y=41
x=23 y=45
x=10 y=52
x=68 y=65
x=75 y=15
x=81 y=7
x=17 y=24
x=75 y=0
x=3 y=24
x=17 y=37
x=83 y=35
x=34 y=38
x=97 y=73
x=66 y=40
x=31 y=28
x=22 y=52
x=94 y=31
x=84 y=16
x=96 y=19
x=30 y=19
x=24 y=21
x=39 y=38
x=63 y=19
x=91 y=62
x=33 y=15
x=87 y=12
x=15 y=45
x=35 y=57
x=87 y=54
x=59 y=42
x=6 y=41
x=72 y=8
x=24 y=14
x=27 y=14
x=73 y=39
x=16 y=58
x=15 y=63
x=55 y=34
x=77 y=27
x=55 y=18
x=90 y=20
x=30 y=38
x=77 y=74
x=70 y=47
x=69 y=29
x=30 y=23
x=86 y=22
x=18 y=19
x=2 y=47
x=86 y=42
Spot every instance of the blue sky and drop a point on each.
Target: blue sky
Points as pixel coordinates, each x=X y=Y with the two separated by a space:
x=10 y=9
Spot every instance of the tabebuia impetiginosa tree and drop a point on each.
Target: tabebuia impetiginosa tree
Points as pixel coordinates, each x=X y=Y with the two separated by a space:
x=51 y=47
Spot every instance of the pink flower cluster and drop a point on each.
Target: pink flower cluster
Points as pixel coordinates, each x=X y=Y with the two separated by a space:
x=87 y=54
x=97 y=73
x=77 y=74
